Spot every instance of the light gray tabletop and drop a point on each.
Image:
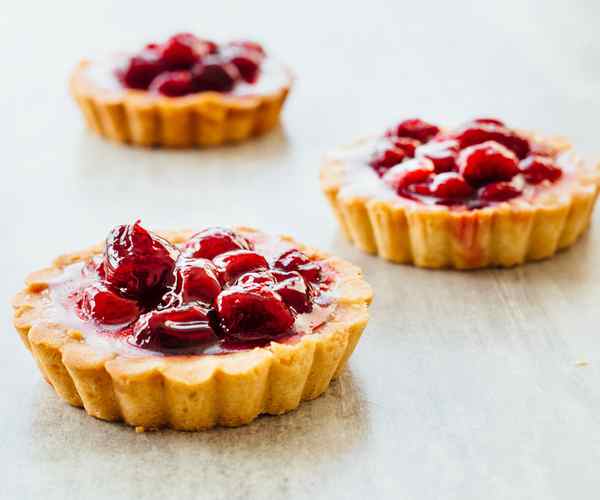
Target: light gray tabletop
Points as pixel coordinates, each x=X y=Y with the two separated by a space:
x=465 y=385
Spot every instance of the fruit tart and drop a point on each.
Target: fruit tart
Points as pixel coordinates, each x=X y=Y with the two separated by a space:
x=480 y=195
x=184 y=92
x=191 y=330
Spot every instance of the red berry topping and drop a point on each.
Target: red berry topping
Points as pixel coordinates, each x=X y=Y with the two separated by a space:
x=414 y=129
x=450 y=185
x=295 y=260
x=137 y=262
x=264 y=278
x=382 y=161
x=233 y=264
x=477 y=133
x=487 y=162
x=294 y=291
x=195 y=280
x=441 y=153
x=407 y=145
x=213 y=75
x=214 y=241
x=489 y=121
x=537 y=169
x=248 y=65
x=247 y=45
x=141 y=70
x=252 y=313
x=408 y=173
x=499 y=191
x=179 y=52
x=173 y=328
x=105 y=306
x=173 y=84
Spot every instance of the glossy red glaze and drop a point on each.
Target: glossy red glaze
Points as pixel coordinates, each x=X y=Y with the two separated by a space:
x=487 y=162
x=499 y=191
x=537 y=169
x=415 y=129
x=252 y=313
x=233 y=264
x=173 y=328
x=209 y=243
x=138 y=263
x=101 y=304
x=295 y=260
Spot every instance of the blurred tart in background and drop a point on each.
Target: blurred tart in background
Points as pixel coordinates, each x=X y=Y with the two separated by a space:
x=185 y=92
x=480 y=195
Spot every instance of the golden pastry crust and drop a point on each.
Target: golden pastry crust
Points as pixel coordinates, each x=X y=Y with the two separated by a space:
x=191 y=392
x=197 y=120
x=503 y=235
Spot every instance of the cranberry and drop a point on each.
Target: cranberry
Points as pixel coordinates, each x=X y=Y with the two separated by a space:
x=294 y=291
x=173 y=83
x=172 y=328
x=248 y=65
x=407 y=145
x=264 y=278
x=441 y=153
x=450 y=185
x=487 y=162
x=213 y=75
x=414 y=129
x=383 y=160
x=137 y=262
x=233 y=264
x=408 y=173
x=141 y=70
x=104 y=305
x=489 y=121
x=248 y=45
x=179 y=52
x=195 y=280
x=214 y=241
x=499 y=191
x=252 y=313
x=295 y=260
x=481 y=132
x=537 y=169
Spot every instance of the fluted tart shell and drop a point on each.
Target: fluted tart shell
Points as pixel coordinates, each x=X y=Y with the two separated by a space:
x=197 y=120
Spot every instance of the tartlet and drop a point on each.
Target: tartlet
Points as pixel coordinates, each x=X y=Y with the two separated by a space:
x=190 y=331
x=183 y=93
x=481 y=195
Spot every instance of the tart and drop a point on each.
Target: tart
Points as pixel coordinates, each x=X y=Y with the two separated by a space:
x=190 y=331
x=185 y=92
x=480 y=195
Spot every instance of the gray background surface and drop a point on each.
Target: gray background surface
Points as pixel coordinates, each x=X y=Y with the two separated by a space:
x=465 y=385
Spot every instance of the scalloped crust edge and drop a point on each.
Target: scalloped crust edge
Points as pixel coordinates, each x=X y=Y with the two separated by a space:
x=500 y=236
x=206 y=119
x=191 y=392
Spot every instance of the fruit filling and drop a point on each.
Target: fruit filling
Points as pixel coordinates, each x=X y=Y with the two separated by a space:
x=186 y=64
x=219 y=291
x=479 y=164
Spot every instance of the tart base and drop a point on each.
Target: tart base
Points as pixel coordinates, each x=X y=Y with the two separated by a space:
x=198 y=120
x=501 y=236
x=191 y=392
